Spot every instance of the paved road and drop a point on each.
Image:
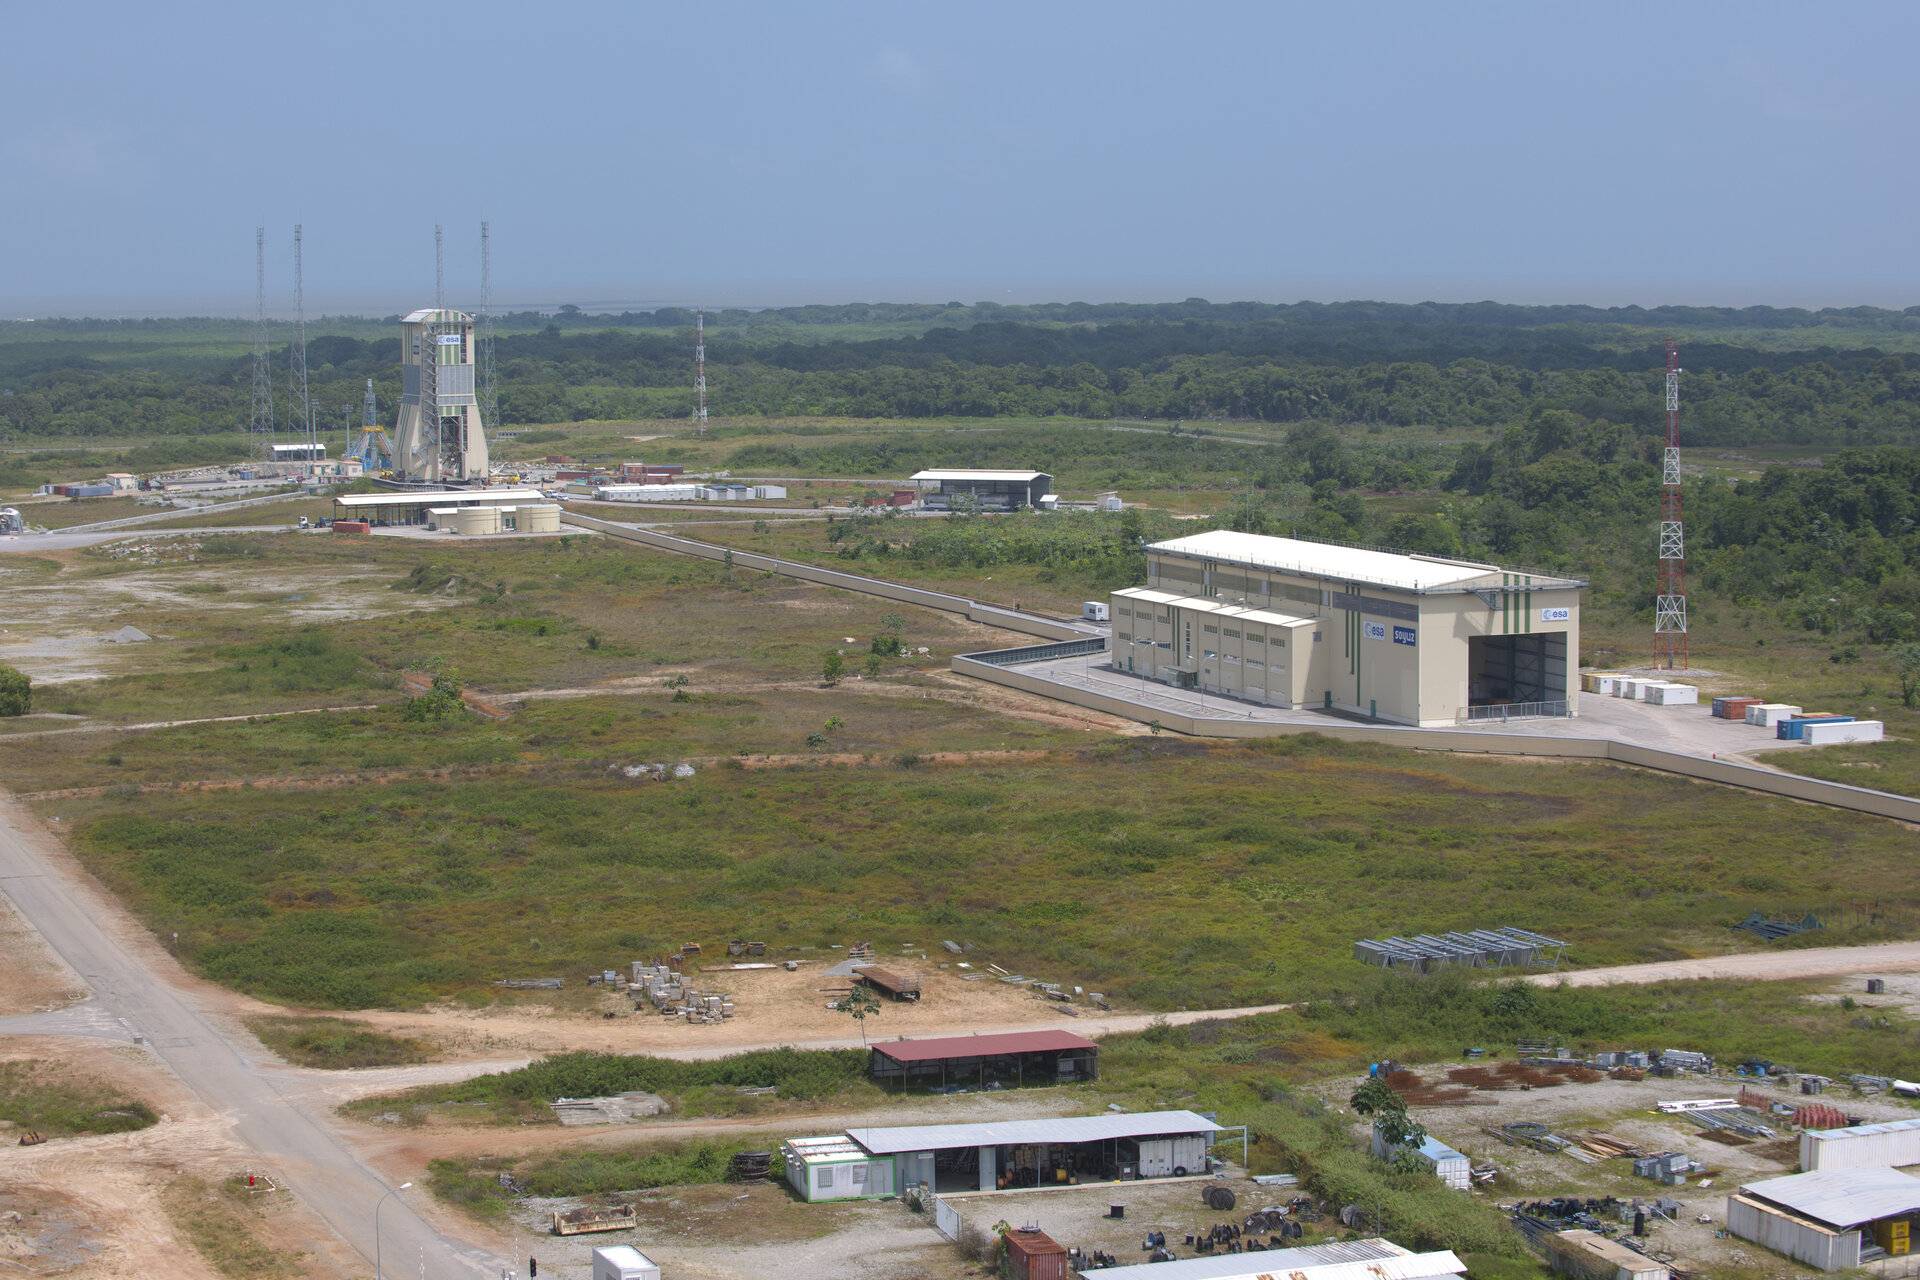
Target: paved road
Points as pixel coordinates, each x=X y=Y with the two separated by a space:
x=1768 y=966
x=60 y=540
x=319 y=1168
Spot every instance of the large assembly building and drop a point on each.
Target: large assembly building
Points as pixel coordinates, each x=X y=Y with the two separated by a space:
x=440 y=437
x=1406 y=638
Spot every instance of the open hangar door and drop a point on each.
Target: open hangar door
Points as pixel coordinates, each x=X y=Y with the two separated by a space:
x=1521 y=668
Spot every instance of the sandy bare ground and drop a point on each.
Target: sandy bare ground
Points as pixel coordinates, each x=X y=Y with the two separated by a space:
x=1814 y=962
x=99 y=1203
x=36 y=980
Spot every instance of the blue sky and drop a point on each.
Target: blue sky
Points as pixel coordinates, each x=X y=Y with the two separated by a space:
x=763 y=153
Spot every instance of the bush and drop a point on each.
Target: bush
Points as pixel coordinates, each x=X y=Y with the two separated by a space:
x=16 y=692
x=438 y=702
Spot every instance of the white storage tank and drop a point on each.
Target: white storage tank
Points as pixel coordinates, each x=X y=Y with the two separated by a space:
x=543 y=519
x=1769 y=714
x=477 y=520
x=623 y=1262
x=1817 y=734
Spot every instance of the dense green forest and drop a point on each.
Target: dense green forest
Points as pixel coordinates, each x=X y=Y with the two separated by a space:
x=1755 y=376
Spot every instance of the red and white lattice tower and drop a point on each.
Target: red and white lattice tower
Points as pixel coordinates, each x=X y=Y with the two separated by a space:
x=1670 y=602
x=700 y=371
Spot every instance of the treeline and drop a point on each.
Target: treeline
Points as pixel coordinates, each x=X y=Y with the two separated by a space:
x=1454 y=368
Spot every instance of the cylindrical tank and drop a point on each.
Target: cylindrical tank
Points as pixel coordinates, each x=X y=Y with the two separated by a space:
x=542 y=519
x=477 y=520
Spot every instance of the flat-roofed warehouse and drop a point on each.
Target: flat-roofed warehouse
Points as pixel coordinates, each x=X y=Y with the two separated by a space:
x=865 y=1163
x=1019 y=1057
x=403 y=507
x=995 y=490
x=1405 y=638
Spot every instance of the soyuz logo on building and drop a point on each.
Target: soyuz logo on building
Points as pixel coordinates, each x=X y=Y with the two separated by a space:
x=1403 y=635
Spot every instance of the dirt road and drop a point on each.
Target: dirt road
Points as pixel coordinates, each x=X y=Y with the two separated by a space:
x=69 y=914
x=1771 y=966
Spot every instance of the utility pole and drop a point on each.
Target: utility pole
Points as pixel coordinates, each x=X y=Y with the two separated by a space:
x=489 y=387
x=700 y=371
x=260 y=417
x=302 y=404
x=1670 y=599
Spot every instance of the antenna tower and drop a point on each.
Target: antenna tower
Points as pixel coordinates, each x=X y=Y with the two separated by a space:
x=298 y=388
x=1670 y=601
x=260 y=418
x=700 y=371
x=489 y=388
x=439 y=272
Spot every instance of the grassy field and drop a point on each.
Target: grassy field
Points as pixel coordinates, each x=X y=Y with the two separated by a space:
x=1263 y=864
x=336 y=1044
x=55 y=1102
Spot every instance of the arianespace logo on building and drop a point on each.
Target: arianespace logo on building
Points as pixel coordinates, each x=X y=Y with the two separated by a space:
x=1403 y=635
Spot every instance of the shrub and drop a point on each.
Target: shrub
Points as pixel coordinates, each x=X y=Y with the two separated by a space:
x=16 y=692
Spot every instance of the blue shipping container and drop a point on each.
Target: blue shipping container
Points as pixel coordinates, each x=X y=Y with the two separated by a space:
x=1795 y=730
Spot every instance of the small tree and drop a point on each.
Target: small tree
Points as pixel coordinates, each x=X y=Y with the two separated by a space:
x=16 y=692
x=860 y=1005
x=442 y=700
x=831 y=668
x=1397 y=1128
x=1906 y=662
x=873 y=665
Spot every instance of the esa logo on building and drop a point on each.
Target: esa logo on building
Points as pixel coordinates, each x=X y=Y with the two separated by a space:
x=1374 y=630
x=1403 y=635
x=1556 y=615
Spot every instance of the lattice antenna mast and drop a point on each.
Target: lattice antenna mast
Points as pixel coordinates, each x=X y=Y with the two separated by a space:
x=260 y=417
x=489 y=388
x=700 y=371
x=302 y=404
x=439 y=272
x=1670 y=601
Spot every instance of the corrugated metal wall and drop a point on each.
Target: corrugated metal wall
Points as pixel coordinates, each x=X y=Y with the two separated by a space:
x=1859 y=1150
x=1796 y=1240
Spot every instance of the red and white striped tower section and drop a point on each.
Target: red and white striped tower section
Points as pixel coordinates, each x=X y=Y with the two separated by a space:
x=700 y=371
x=1670 y=603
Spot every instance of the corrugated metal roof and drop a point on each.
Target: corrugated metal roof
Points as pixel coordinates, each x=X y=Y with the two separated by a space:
x=964 y=474
x=445 y=315
x=391 y=498
x=1331 y=1261
x=1351 y=564
x=938 y=1137
x=1862 y=1130
x=1224 y=1266
x=1201 y=604
x=982 y=1046
x=1842 y=1198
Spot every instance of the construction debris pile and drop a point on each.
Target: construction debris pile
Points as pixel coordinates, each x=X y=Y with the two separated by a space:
x=663 y=988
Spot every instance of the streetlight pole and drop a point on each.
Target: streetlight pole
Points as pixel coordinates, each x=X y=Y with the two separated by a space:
x=376 y=1226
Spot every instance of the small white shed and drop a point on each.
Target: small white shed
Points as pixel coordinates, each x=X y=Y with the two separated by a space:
x=623 y=1262
x=1448 y=1165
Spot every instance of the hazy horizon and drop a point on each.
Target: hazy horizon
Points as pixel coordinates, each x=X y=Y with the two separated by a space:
x=1713 y=154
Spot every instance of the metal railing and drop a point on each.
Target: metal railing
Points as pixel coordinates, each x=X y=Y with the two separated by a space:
x=1512 y=711
x=1039 y=652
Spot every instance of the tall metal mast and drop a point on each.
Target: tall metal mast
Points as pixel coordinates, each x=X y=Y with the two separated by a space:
x=489 y=389
x=1670 y=601
x=302 y=404
x=439 y=272
x=700 y=371
x=260 y=417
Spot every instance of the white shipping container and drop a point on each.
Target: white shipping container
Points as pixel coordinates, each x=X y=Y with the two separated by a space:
x=1826 y=735
x=1607 y=685
x=769 y=491
x=1768 y=714
x=623 y=1262
x=1895 y=1144
x=1674 y=695
x=1643 y=689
